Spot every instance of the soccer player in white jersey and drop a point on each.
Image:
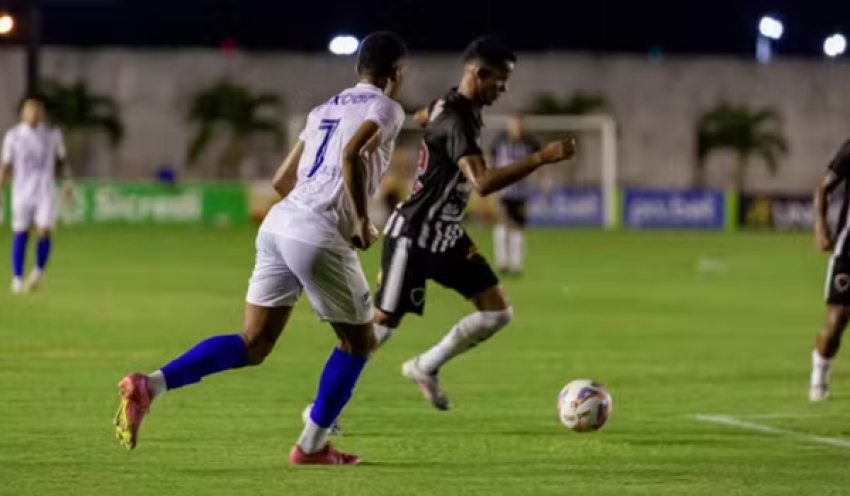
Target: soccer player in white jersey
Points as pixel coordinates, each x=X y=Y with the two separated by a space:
x=32 y=152
x=308 y=242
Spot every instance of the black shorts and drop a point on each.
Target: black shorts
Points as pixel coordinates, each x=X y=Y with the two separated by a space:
x=405 y=268
x=838 y=281
x=514 y=210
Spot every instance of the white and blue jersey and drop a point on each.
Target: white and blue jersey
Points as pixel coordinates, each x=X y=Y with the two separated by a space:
x=317 y=210
x=33 y=152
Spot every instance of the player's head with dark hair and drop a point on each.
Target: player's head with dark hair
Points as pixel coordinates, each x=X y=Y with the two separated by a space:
x=488 y=63
x=381 y=58
x=31 y=110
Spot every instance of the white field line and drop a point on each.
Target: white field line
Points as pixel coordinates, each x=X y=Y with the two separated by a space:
x=743 y=424
x=776 y=415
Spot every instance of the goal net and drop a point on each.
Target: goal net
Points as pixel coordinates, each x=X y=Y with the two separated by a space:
x=582 y=193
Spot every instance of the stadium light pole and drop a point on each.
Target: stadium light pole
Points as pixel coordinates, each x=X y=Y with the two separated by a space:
x=770 y=30
x=835 y=45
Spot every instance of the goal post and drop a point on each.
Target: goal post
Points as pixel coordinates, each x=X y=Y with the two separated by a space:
x=594 y=168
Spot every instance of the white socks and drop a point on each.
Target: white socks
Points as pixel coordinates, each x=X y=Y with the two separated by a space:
x=156 y=383
x=500 y=246
x=517 y=249
x=465 y=335
x=821 y=369
x=382 y=334
x=313 y=438
x=509 y=247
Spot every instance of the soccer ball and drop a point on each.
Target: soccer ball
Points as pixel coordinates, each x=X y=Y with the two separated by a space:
x=584 y=405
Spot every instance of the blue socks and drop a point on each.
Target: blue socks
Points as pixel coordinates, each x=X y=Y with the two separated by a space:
x=19 y=253
x=342 y=371
x=42 y=252
x=213 y=355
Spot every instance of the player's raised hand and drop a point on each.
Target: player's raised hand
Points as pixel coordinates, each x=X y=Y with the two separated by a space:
x=556 y=151
x=823 y=238
x=365 y=235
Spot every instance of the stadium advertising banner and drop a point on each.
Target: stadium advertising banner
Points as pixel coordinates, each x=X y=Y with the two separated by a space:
x=780 y=212
x=142 y=203
x=673 y=209
x=566 y=207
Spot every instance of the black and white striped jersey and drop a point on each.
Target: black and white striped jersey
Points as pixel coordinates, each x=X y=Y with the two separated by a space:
x=432 y=216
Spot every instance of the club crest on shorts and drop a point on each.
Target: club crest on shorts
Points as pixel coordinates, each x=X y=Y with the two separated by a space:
x=417 y=296
x=842 y=282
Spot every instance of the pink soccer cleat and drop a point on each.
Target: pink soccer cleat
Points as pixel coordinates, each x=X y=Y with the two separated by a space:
x=135 y=403
x=328 y=456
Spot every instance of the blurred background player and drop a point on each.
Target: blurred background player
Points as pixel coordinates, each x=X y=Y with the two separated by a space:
x=837 y=295
x=425 y=238
x=510 y=146
x=307 y=241
x=32 y=152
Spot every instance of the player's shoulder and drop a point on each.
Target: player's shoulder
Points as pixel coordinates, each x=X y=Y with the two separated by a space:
x=452 y=108
x=391 y=107
x=14 y=130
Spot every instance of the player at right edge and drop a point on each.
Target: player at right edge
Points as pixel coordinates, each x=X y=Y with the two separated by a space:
x=424 y=238
x=838 y=272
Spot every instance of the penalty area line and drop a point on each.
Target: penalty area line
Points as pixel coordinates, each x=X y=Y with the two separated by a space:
x=730 y=421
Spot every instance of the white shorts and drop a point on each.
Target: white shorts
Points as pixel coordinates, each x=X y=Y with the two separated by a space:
x=334 y=281
x=39 y=212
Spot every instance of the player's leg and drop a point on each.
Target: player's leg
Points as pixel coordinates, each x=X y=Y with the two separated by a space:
x=469 y=274
x=827 y=344
x=339 y=293
x=22 y=217
x=516 y=236
x=401 y=285
x=501 y=238
x=272 y=292
x=44 y=221
x=828 y=340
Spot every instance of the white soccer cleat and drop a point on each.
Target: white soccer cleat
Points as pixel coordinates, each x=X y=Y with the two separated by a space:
x=336 y=430
x=32 y=281
x=818 y=392
x=18 y=286
x=428 y=383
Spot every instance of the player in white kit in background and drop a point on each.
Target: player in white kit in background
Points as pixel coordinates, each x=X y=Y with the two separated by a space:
x=32 y=151
x=307 y=242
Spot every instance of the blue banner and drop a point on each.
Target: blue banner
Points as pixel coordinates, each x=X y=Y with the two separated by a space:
x=674 y=209
x=566 y=207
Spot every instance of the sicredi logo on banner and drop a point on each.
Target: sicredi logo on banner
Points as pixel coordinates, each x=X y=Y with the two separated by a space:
x=565 y=207
x=673 y=209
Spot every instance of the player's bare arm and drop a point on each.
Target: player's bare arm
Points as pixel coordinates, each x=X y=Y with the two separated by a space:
x=486 y=180
x=287 y=174
x=421 y=117
x=364 y=141
x=823 y=235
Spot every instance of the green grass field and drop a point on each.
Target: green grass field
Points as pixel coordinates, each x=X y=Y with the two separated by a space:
x=676 y=324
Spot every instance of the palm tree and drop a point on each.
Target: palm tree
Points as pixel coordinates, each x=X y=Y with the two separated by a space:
x=579 y=103
x=80 y=113
x=747 y=132
x=236 y=111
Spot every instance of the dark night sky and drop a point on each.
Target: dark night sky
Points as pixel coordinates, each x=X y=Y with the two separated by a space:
x=676 y=26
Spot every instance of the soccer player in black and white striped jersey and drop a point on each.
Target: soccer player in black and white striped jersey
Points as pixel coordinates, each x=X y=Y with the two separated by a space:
x=425 y=239
x=509 y=233
x=838 y=273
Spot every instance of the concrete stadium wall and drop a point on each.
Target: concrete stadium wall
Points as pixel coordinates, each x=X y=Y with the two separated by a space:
x=656 y=102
